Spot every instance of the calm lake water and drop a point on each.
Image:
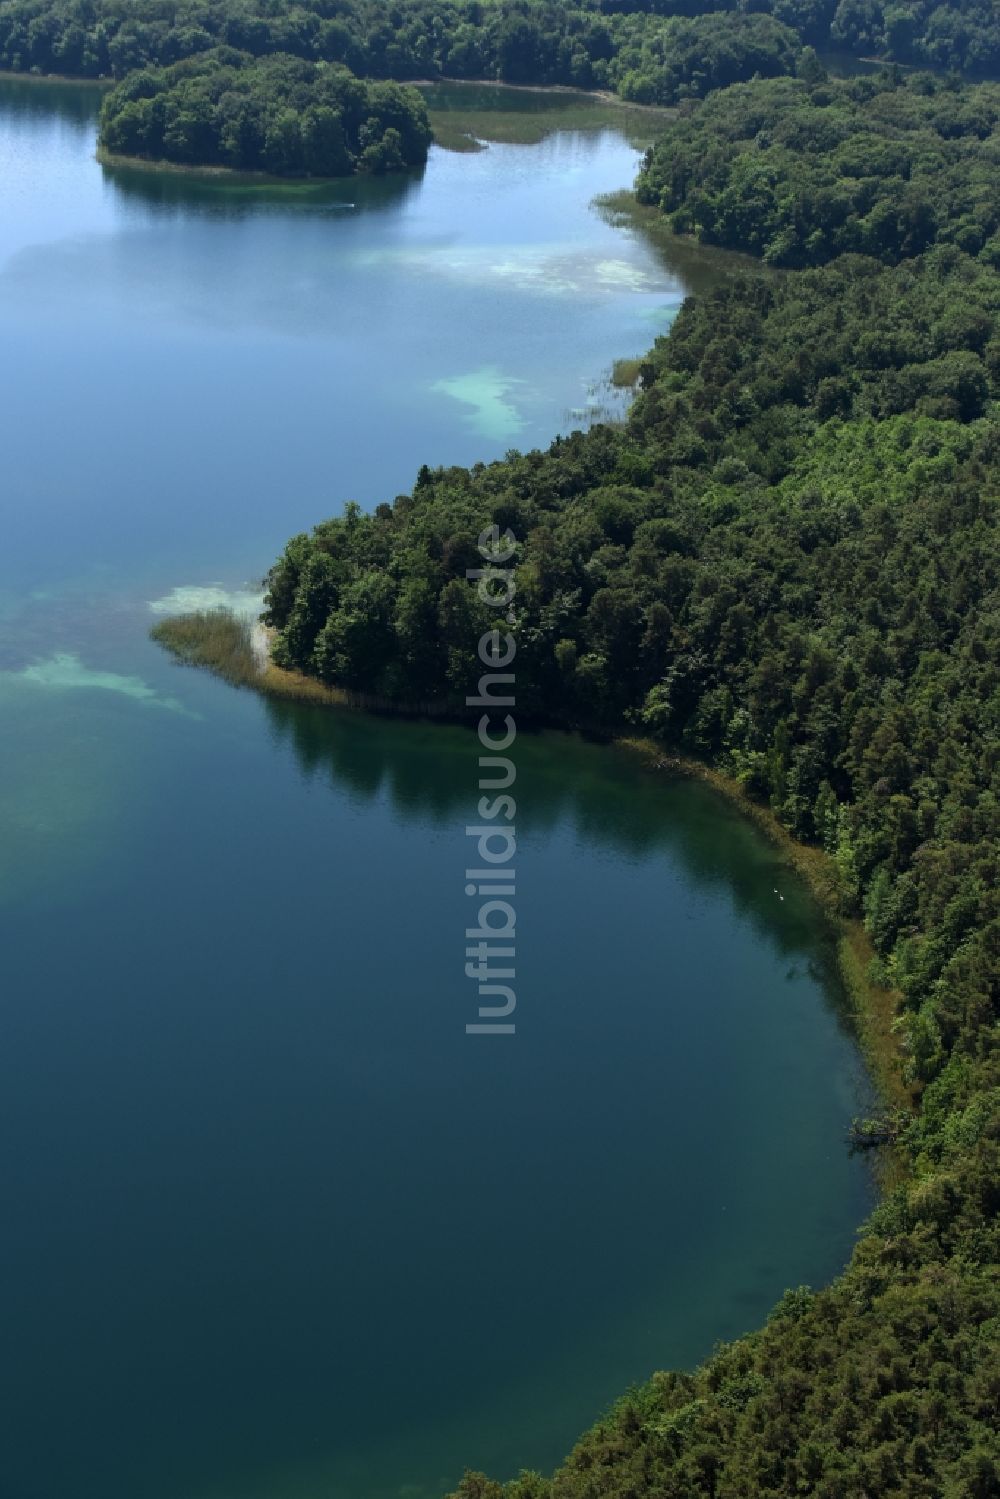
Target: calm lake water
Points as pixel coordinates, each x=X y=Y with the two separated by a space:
x=273 y=1226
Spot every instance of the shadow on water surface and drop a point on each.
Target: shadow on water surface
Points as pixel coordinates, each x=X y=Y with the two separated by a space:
x=428 y=773
x=166 y=192
x=47 y=99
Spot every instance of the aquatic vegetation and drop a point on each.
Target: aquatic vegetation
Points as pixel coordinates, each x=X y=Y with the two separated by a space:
x=233 y=646
x=468 y=116
x=625 y=373
x=216 y=639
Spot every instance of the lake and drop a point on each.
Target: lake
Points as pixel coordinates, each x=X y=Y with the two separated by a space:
x=274 y=1227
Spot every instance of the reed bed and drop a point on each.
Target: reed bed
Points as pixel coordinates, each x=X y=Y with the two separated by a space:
x=216 y=639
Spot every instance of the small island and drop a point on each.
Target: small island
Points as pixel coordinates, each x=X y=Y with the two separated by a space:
x=278 y=115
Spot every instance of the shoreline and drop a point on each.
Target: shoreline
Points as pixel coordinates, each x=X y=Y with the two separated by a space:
x=456 y=135
x=622 y=210
x=212 y=173
x=15 y=76
x=872 y=1008
x=599 y=95
x=603 y=96
x=570 y=90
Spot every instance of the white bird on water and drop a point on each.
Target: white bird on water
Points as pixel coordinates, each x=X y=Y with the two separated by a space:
x=780 y=897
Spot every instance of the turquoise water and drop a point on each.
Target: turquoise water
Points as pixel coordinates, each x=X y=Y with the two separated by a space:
x=274 y=1227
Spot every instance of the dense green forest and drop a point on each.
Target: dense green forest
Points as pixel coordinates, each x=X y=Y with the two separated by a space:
x=802 y=170
x=277 y=114
x=651 y=50
x=785 y=563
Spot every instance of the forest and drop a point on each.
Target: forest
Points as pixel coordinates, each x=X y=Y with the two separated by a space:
x=784 y=564
x=276 y=114
x=648 y=50
x=802 y=170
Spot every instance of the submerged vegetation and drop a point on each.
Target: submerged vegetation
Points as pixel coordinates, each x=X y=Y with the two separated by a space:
x=786 y=565
x=277 y=114
x=465 y=116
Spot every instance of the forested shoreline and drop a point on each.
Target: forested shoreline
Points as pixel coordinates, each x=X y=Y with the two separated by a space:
x=801 y=170
x=216 y=84
x=650 y=51
x=786 y=565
